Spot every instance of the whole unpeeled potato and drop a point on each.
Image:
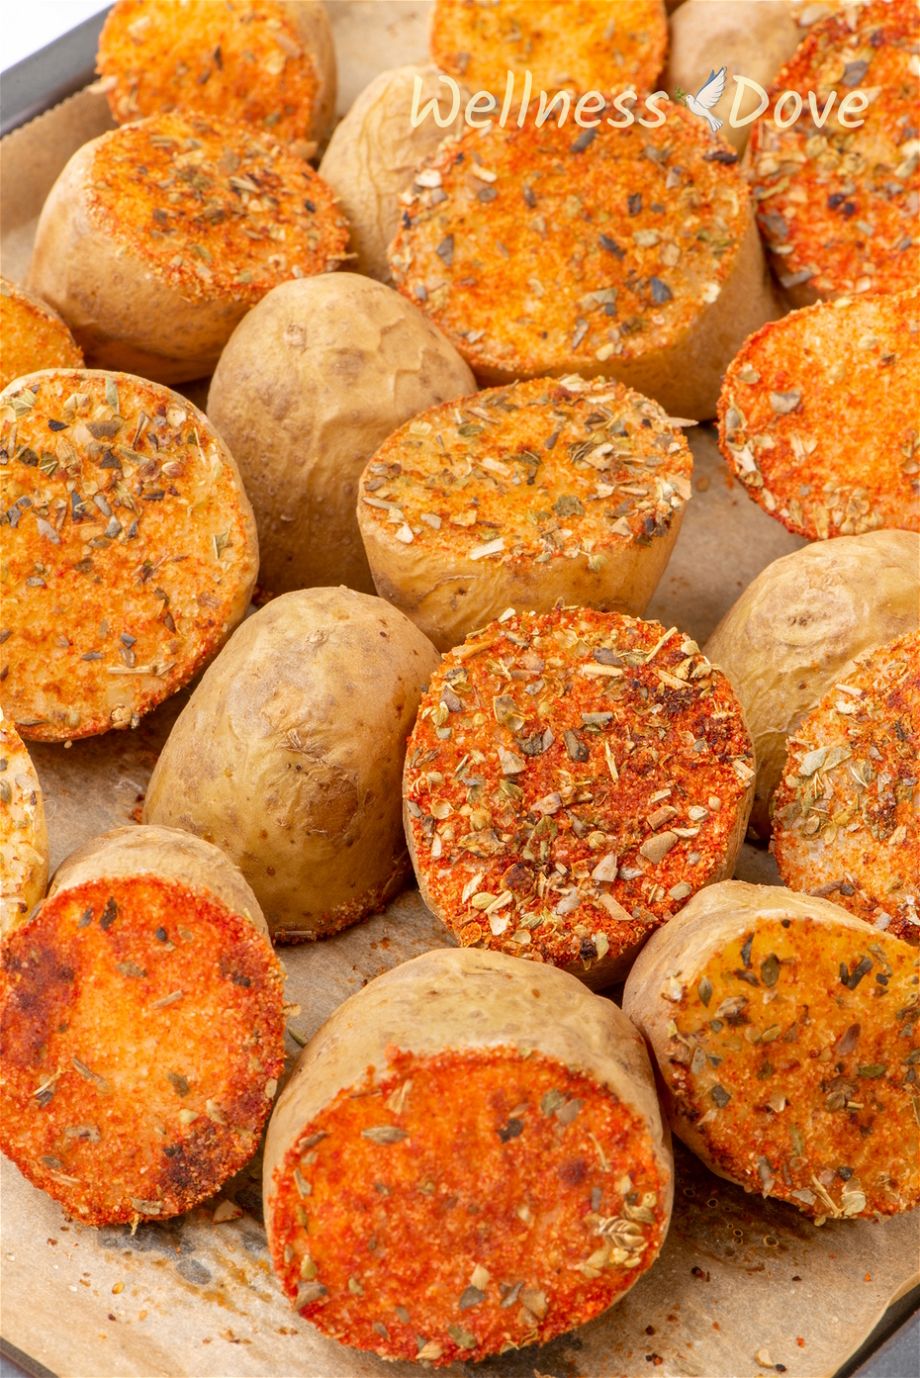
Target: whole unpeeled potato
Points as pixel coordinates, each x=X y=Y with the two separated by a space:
x=310 y=383
x=375 y=150
x=752 y=38
x=289 y=756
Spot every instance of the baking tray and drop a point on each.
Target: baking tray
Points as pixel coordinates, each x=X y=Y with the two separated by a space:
x=692 y=598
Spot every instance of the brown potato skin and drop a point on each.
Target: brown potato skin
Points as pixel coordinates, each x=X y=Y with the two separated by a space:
x=123 y=317
x=372 y=154
x=754 y=38
x=447 y=607
x=799 y=622
x=310 y=383
x=23 y=832
x=289 y=756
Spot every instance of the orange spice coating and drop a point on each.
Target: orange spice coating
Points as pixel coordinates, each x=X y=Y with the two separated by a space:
x=467 y=1203
x=794 y=1054
x=818 y=416
x=845 y=821
x=241 y=60
x=213 y=210
x=142 y=1038
x=544 y=470
x=572 y=778
x=838 y=206
x=128 y=549
x=31 y=336
x=585 y=45
x=606 y=242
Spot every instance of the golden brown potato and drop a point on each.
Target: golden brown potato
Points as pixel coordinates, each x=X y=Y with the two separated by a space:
x=31 y=336
x=311 y=382
x=521 y=496
x=254 y=62
x=785 y=1032
x=373 y=153
x=785 y=640
x=142 y=1025
x=159 y=236
x=289 y=756
x=527 y=1103
x=23 y=834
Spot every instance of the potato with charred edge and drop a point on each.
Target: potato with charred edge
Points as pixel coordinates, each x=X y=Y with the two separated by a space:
x=587 y=45
x=785 y=1033
x=572 y=778
x=142 y=1028
x=816 y=417
x=508 y=1174
x=32 y=336
x=373 y=152
x=158 y=237
x=23 y=834
x=845 y=821
x=253 y=62
x=128 y=549
x=625 y=253
x=521 y=496
x=288 y=756
x=837 y=203
x=311 y=382
x=786 y=639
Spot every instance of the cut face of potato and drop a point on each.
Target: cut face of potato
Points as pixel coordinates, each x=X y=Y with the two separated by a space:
x=845 y=821
x=253 y=62
x=621 y=251
x=837 y=204
x=522 y=495
x=142 y=1039
x=786 y=1035
x=572 y=778
x=588 y=45
x=468 y=1158
x=31 y=336
x=129 y=549
x=816 y=419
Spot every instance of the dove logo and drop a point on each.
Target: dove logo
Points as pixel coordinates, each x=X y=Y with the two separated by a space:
x=709 y=94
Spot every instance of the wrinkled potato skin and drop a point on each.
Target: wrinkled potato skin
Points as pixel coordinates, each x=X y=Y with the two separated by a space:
x=164 y=852
x=788 y=636
x=312 y=20
x=311 y=382
x=469 y=999
x=289 y=755
x=753 y=38
x=707 y=923
x=448 y=607
x=373 y=153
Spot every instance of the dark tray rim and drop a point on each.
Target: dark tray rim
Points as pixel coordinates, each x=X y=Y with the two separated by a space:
x=37 y=84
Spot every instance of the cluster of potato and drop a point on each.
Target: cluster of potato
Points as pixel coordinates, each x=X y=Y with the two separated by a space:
x=450 y=660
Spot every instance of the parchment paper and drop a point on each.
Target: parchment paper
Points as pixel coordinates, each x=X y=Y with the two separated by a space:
x=743 y=1286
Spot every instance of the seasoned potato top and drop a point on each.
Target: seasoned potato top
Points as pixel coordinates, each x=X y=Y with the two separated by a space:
x=792 y=1051
x=546 y=247
x=213 y=209
x=845 y=820
x=586 y=45
x=31 y=336
x=537 y=470
x=243 y=60
x=572 y=777
x=839 y=204
x=128 y=549
x=23 y=838
x=818 y=416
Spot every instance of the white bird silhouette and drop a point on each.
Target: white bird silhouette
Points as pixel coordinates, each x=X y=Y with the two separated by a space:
x=709 y=94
